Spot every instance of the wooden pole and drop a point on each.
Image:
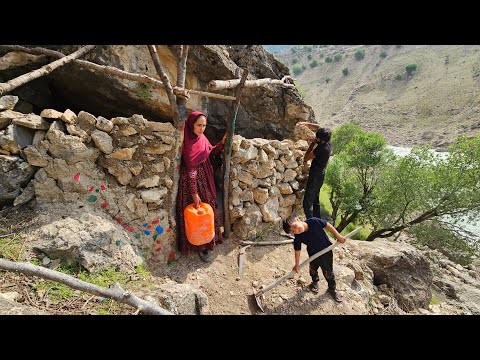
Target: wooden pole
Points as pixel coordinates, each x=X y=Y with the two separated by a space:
x=116 y=293
x=230 y=84
x=166 y=84
x=228 y=153
x=182 y=106
x=281 y=242
x=44 y=70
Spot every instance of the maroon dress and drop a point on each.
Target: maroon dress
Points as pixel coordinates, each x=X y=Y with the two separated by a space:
x=198 y=181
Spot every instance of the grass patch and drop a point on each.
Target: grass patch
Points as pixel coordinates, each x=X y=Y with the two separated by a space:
x=142 y=90
x=11 y=246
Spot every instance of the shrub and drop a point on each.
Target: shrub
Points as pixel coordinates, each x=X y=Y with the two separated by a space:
x=322 y=54
x=328 y=59
x=359 y=54
x=304 y=67
x=309 y=57
x=294 y=61
x=297 y=69
x=313 y=63
x=411 y=68
x=345 y=71
x=398 y=46
x=398 y=77
x=383 y=54
x=327 y=80
x=337 y=57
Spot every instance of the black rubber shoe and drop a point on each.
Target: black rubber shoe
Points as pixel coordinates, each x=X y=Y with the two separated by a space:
x=313 y=287
x=335 y=295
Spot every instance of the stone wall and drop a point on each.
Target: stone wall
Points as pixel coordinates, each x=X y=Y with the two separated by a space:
x=267 y=180
x=120 y=169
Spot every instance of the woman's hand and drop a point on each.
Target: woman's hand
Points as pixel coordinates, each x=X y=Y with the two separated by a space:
x=196 y=200
x=224 y=139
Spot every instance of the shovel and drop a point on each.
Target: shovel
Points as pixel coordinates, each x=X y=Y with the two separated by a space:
x=259 y=294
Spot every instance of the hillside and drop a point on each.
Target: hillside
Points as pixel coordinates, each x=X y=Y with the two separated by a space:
x=434 y=104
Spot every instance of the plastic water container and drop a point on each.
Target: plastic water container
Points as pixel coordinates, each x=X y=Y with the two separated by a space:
x=199 y=224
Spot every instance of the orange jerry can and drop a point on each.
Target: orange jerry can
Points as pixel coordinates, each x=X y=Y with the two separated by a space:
x=199 y=224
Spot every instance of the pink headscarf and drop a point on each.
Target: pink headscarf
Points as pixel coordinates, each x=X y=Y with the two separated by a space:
x=196 y=149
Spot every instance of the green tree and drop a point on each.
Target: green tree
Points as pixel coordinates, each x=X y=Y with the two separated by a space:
x=309 y=57
x=354 y=171
x=297 y=69
x=360 y=54
x=337 y=57
x=328 y=59
x=411 y=68
x=345 y=71
x=422 y=186
x=313 y=63
x=321 y=54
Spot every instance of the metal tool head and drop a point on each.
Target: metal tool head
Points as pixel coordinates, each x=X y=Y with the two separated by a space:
x=259 y=300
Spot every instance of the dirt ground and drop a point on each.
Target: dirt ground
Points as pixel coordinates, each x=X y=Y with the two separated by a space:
x=230 y=294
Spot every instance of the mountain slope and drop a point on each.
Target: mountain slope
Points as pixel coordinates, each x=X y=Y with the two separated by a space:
x=434 y=104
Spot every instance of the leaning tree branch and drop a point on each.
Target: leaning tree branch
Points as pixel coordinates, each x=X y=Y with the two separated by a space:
x=179 y=91
x=44 y=70
x=230 y=84
x=116 y=293
x=166 y=84
x=280 y=242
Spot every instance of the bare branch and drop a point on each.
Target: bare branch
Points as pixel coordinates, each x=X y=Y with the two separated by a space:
x=44 y=70
x=243 y=242
x=230 y=84
x=166 y=83
x=116 y=293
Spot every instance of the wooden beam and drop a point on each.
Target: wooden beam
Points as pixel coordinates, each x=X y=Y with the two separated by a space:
x=44 y=70
x=230 y=84
x=228 y=153
x=110 y=70
x=281 y=242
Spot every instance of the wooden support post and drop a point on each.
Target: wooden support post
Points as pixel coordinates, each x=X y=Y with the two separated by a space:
x=230 y=84
x=44 y=70
x=228 y=153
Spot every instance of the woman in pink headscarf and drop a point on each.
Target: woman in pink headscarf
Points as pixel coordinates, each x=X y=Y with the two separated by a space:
x=197 y=181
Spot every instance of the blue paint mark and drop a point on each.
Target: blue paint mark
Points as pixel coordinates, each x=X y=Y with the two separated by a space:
x=146 y=232
x=159 y=229
x=145 y=225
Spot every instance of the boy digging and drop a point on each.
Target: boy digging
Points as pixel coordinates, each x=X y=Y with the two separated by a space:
x=311 y=233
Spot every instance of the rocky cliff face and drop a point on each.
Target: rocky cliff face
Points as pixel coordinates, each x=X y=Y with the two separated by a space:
x=269 y=112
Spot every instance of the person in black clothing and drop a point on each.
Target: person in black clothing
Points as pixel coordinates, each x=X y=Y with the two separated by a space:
x=311 y=233
x=320 y=155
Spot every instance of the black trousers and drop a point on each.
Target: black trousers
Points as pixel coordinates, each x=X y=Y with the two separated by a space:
x=325 y=262
x=311 y=199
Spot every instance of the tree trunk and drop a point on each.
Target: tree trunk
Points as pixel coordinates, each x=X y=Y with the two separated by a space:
x=116 y=293
x=44 y=70
x=228 y=154
x=182 y=105
x=230 y=84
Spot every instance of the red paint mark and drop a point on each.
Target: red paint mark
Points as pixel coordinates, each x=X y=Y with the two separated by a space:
x=104 y=205
x=91 y=188
x=76 y=176
x=125 y=226
x=158 y=249
x=102 y=187
x=149 y=226
x=130 y=229
x=171 y=256
x=168 y=230
x=119 y=220
x=156 y=221
x=158 y=241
